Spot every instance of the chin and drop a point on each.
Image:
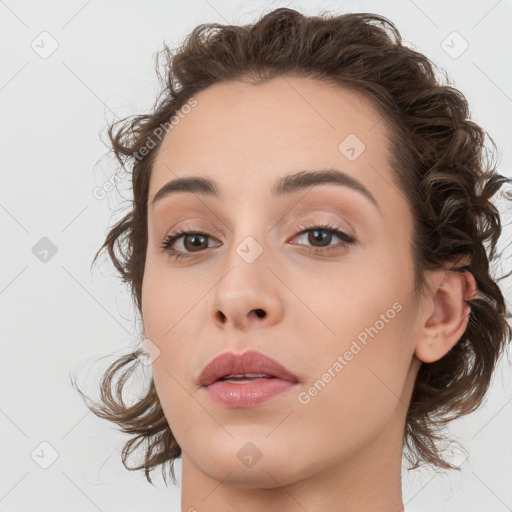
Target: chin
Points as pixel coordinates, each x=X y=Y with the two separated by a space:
x=249 y=464
x=261 y=476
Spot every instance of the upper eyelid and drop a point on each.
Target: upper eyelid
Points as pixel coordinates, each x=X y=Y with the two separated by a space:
x=304 y=227
x=325 y=218
x=313 y=206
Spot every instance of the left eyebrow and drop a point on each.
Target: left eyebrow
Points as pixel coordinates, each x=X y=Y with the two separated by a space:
x=306 y=179
x=284 y=185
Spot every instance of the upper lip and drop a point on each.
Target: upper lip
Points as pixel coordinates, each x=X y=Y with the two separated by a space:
x=251 y=361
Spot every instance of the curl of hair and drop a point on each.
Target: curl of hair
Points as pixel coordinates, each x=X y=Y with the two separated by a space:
x=440 y=165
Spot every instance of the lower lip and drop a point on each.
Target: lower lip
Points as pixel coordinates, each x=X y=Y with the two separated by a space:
x=246 y=394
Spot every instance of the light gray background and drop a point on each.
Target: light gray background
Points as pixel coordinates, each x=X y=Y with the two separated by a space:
x=58 y=317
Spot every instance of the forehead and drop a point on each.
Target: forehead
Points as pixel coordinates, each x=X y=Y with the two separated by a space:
x=244 y=135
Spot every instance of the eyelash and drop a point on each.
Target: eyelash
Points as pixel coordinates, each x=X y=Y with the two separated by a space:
x=346 y=240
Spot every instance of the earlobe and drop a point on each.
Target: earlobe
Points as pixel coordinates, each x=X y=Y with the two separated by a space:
x=448 y=315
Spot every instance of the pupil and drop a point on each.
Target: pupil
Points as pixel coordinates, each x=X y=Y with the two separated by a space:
x=196 y=243
x=314 y=236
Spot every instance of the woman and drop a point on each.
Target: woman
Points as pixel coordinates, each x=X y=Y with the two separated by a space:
x=307 y=251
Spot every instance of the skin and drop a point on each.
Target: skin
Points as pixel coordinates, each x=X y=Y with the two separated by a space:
x=342 y=450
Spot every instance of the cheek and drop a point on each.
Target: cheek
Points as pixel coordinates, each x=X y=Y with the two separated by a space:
x=358 y=345
x=341 y=301
x=173 y=313
x=169 y=299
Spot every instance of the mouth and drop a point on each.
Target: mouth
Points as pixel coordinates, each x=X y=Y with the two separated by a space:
x=243 y=378
x=239 y=381
x=250 y=366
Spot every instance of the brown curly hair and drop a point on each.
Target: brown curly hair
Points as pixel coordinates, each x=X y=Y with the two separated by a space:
x=440 y=162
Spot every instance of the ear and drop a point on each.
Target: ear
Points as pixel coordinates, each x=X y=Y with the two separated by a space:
x=445 y=315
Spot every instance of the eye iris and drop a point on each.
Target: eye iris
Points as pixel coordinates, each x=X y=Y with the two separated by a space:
x=197 y=242
x=315 y=237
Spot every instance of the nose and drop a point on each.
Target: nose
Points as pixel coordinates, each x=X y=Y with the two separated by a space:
x=235 y=319
x=247 y=296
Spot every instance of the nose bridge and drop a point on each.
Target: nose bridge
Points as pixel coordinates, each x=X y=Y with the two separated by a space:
x=249 y=230
x=247 y=248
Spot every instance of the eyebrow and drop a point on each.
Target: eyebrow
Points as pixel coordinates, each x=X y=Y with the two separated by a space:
x=284 y=185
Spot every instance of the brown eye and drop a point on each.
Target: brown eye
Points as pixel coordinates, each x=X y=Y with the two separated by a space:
x=188 y=242
x=195 y=242
x=319 y=238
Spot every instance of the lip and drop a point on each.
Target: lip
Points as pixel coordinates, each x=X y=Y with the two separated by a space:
x=245 y=394
x=250 y=361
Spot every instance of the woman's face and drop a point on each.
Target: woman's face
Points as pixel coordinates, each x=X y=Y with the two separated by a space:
x=343 y=320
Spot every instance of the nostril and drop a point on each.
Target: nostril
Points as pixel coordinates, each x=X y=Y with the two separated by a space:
x=260 y=313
